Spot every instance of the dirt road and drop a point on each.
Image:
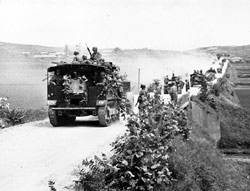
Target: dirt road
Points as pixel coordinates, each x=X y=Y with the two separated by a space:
x=33 y=153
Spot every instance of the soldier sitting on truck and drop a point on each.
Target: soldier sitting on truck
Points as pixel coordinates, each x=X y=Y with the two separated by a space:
x=57 y=78
x=85 y=60
x=76 y=59
x=102 y=79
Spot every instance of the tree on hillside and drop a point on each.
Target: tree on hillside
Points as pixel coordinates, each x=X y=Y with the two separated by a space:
x=117 y=50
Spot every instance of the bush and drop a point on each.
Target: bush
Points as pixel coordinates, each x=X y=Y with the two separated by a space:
x=14 y=116
x=11 y=117
x=117 y=50
x=140 y=159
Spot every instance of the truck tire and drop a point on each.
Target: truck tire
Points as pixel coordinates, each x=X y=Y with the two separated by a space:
x=70 y=120
x=54 y=119
x=103 y=116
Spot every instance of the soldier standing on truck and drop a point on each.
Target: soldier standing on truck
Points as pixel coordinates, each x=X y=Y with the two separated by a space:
x=142 y=97
x=85 y=60
x=95 y=55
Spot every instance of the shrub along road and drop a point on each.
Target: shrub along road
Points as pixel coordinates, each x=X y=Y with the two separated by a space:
x=34 y=153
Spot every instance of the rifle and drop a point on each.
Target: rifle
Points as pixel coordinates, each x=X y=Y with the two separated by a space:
x=89 y=50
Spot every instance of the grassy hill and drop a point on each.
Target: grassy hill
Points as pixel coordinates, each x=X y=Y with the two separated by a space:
x=238 y=51
x=14 y=52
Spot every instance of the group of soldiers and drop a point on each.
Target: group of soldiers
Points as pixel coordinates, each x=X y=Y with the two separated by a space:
x=95 y=79
x=172 y=86
x=175 y=82
x=95 y=56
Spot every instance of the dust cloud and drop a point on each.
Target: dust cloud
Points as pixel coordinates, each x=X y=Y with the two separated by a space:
x=23 y=82
x=157 y=65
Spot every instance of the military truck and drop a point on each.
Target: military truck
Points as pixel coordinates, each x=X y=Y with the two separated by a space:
x=196 y=79
x=79 y=90
x=168 y=83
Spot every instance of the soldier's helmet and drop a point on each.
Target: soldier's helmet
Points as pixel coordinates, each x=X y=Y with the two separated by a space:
x=143 y=86
x=76 y=53
x=94 y=49
x=84 y=57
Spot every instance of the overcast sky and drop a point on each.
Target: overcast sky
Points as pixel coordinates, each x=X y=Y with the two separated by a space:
x=157 y=24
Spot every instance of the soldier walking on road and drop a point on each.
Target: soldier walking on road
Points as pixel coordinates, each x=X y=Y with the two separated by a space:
x=187 y=85
x=142 y=97
x=173 y=93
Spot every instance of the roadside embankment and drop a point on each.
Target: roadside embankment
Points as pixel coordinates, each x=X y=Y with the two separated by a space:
x=206 y=118
x=229 y=124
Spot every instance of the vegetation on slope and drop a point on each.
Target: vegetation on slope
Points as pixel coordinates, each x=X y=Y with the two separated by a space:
x=158 y=153
x=140 y=159
x=235 y=129
x=198 y=165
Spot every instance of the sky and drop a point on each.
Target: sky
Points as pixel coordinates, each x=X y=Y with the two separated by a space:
x=155 y=24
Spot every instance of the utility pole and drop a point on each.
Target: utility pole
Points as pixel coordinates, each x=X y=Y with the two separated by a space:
x=139 y=73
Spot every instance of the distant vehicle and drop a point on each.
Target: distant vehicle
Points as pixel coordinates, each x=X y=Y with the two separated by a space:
x=168 y=83
x=74 y=90
x=195 y=79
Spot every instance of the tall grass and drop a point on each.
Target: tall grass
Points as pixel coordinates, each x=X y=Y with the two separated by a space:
x=198 y=166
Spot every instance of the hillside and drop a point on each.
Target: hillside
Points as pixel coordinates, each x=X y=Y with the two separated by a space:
x=238 y=51
x=22 y=52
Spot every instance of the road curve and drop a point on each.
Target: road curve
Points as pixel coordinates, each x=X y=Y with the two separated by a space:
x=33 y=153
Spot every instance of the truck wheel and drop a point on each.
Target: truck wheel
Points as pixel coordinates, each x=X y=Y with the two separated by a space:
x=54 y=119
x=70 y=120
x=104 y=117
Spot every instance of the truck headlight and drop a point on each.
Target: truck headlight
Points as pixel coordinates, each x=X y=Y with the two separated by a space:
x=51 y=102
x=101 y=102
